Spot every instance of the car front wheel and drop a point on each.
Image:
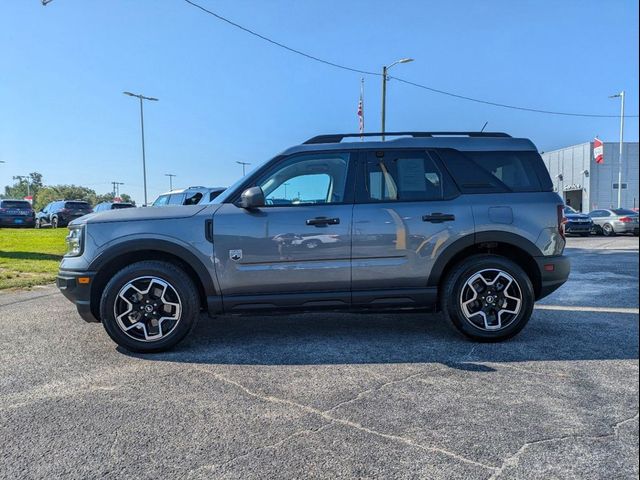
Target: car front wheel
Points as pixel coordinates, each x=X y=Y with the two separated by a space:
x=487 y=298
x=149 y=306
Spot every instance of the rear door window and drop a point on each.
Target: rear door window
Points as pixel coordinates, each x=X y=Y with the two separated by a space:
x=405 y=175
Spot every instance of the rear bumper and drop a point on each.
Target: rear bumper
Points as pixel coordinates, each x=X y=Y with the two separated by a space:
x=554 y=272
x=78 y=293
x=625 y=227
x=16 y=221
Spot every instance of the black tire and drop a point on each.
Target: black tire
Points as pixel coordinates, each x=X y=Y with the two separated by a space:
x=451 y=292
x=54 y=222
x=608 y=231
x=187 y=294
x=37 y=223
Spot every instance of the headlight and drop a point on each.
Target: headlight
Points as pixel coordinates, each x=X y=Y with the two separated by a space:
x=75 y=241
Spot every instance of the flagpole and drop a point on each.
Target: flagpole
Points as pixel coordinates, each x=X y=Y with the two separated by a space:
x=362 y=107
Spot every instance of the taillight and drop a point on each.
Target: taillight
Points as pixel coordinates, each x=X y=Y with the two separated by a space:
x=561 y=220
x=626 y=219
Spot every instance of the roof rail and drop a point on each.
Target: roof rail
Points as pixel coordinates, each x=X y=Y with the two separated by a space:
x=338 y=137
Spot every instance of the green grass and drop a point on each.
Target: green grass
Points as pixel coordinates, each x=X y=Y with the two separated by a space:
x=30 y=257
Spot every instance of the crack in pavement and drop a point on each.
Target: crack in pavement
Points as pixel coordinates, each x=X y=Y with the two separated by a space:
x=346 y=423
x=28 y=299
x=514 y=459
x=305 y=431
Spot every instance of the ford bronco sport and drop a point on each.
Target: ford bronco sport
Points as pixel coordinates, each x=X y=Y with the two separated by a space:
x=464 y=222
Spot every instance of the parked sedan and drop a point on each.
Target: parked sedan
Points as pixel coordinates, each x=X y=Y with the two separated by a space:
x=577 y=223
x=16 y=213
x=60 y=213
x=614 y=221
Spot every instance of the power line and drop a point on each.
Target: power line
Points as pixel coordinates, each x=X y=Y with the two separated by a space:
x=408 y=82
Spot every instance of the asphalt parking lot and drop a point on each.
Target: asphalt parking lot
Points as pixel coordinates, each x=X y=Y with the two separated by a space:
x=332 y=395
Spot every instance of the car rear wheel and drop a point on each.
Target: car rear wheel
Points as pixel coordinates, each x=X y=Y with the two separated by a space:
x=149 y=306
x=54 y=222
x=607 y=230
x=37 y=223
x=487 y=298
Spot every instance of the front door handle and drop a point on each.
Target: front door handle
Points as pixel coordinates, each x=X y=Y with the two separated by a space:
x=438 y=217
x=322 y=221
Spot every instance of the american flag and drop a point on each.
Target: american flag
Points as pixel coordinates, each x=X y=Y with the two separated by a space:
x=361 y=107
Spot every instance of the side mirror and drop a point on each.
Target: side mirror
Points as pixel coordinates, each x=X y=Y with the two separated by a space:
x=252 y=197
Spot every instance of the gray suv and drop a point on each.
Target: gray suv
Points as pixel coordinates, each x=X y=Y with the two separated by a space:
x=463 y=222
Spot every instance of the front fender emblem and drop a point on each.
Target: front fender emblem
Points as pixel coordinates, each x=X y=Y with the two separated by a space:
x=235 y=255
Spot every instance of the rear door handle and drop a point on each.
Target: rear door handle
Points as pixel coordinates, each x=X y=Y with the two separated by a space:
x=438 y=218
x=322 y=221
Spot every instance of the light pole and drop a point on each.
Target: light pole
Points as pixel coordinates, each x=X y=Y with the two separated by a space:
x=621 y=95
x=170 y=175
x=385 y=69
x=244 y=164
x=144 y=164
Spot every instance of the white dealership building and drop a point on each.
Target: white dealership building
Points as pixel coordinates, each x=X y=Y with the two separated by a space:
x=587 y=185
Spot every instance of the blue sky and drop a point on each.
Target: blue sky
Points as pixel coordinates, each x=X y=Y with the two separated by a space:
x=227 y=96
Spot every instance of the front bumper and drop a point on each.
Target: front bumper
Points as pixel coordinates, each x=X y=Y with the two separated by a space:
x=76 y=292
x=554 y=272
x=572 y=227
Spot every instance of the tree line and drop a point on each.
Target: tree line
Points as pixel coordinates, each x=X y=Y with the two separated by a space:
x=44 y=194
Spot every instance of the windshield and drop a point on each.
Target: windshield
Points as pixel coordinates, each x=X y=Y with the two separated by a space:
x=161 y=200
x=117 y=206
x=568 y=209
x=227 y=193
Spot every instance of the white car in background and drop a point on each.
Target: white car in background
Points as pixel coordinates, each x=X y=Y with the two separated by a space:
x=188 y=196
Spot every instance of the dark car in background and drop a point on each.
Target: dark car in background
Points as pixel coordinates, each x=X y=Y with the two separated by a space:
x=60 y=213
x=612 y=221
x=577 y=223
x=16 y=213
x=105 y=206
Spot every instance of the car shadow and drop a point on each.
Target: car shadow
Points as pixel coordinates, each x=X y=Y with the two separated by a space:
x=341 y=338
x=30 y=256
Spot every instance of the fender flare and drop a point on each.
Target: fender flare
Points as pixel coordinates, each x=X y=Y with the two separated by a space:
x=158 y=245
x=478 y=238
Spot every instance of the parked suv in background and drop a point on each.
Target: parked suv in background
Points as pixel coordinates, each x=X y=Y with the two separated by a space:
x=104 y=206
x=610 y=222
x=188 y=196
x=16 y=213
x=577 y=223
x=464 y=222
x=60 y=213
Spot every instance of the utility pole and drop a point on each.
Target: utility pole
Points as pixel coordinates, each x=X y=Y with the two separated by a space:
x=144 y=163
x=385 y=69
x=285 y=189
x=621 y=95
x=244 y=164
x=170 y=175
x=24 y=178
x=116 y=188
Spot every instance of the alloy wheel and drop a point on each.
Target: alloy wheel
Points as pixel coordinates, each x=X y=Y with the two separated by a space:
x=147 y=308
x=491 y=299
